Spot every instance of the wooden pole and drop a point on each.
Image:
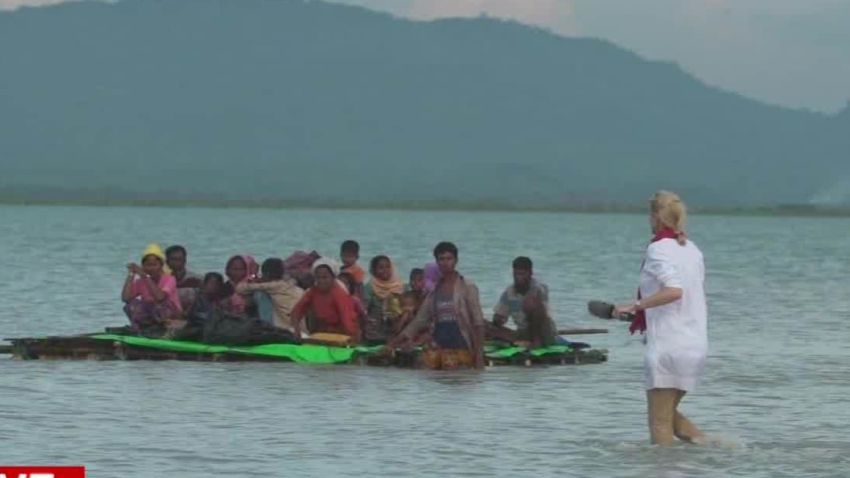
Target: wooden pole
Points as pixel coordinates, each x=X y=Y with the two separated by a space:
x=581 y=331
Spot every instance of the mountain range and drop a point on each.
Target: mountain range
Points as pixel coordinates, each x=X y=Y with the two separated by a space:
x=309 y=102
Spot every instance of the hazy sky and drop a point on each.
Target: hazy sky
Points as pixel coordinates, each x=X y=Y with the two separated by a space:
x=790 y=52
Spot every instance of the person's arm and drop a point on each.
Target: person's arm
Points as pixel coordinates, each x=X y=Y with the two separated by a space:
x=344 y=304
x=127 y=290
x=502 y=311
x=192 y=282
x=401 y=321
x=477 y=325
x=158 y=294
x=660 y=266
x=544 y=296
x=664 y=296
x=533 y=301
x=419 y=322
x=299 y=310
x=296 y=294
x=500 y=320
x=246 y=287
x=392 y=308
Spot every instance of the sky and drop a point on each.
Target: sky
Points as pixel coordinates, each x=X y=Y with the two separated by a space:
x=794 y=53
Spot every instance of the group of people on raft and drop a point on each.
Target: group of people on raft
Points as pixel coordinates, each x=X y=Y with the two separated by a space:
x=440 y=309
x=437 y=308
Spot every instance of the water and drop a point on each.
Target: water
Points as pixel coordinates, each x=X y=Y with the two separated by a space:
x=775 y=391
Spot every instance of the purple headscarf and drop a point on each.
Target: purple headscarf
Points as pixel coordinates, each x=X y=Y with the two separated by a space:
x=300 y=262
x=432 y=276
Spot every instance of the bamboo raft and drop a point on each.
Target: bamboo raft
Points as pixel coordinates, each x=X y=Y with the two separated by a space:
x=105 y=347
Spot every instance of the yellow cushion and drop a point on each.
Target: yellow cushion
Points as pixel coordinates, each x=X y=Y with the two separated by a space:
x=330 y=339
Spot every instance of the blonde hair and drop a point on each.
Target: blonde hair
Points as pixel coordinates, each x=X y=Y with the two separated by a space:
x=670 y=211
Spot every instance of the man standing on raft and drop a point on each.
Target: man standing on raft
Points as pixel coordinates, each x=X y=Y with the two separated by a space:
x=453 y=311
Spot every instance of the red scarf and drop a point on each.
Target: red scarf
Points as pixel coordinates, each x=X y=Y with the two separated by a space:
x=639 y=322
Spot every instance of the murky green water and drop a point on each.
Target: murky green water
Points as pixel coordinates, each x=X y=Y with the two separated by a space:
x=776 y=387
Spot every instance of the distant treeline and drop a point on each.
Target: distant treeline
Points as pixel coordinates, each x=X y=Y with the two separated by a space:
x=471 y=206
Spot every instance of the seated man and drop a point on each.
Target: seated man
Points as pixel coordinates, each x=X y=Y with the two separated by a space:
x=526 y=301
x=208 y=299
x=187 y=282
x=207 y=303
x=274 y=294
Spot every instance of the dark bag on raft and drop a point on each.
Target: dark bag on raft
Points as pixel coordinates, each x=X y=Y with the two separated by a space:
x=222 y=328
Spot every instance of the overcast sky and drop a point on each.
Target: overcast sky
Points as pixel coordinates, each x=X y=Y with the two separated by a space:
x=790 y=52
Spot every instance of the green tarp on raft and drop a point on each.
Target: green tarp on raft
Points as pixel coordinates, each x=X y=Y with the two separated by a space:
x=494 y=352
x=307 y=353
x=318 y=354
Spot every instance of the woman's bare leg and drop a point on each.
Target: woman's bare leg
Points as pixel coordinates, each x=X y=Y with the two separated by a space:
x=661 y=407
x=683 y=428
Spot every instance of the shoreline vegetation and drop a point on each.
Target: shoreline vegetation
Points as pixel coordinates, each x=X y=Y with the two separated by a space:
x=784 y=210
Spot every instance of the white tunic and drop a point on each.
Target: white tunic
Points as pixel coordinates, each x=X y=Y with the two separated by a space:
x=676 y=333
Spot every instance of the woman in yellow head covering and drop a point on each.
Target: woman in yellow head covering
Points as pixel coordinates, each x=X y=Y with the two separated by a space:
x=149 y=293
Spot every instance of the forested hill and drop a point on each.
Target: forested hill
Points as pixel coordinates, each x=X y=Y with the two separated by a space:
x=314 y=102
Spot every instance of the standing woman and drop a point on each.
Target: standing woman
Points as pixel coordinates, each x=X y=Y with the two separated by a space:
x=671 y=309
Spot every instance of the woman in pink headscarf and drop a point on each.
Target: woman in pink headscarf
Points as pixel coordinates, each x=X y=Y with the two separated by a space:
x=239 y=269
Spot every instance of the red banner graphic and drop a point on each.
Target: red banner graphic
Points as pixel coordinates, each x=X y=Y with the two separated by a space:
x=42 y=471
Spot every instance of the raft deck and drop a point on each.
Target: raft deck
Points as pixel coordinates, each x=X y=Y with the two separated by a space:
x=117 y=347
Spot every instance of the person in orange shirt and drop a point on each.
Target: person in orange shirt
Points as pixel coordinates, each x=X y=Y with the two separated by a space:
x=329 y=304
x=349 y=253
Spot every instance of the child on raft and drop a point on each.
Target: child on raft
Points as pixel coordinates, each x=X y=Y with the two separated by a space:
x=349 y=253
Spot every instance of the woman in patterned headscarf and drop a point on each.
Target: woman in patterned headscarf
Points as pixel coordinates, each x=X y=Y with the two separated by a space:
x=239 y=269
x=381 y=297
